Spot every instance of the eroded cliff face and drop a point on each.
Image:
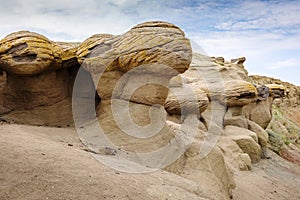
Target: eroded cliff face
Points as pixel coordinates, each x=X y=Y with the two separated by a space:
x=202 y=116
x=284 y=129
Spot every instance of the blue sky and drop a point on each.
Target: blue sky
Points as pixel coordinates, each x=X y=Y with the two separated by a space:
x=266 y=32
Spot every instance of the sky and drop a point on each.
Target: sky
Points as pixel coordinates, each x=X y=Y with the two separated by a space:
x=266 y=32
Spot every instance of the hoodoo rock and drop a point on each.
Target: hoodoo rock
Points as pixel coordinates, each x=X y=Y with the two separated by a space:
x=27 y=53
x=239 y=93
x=39 y=84
x=284 y=127
x=153 y=47
x=150 y=42
x=144 y=98
x=86 y=47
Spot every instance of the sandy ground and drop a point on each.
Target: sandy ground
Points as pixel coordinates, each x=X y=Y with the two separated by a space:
x=272 y=179
x=51 y=163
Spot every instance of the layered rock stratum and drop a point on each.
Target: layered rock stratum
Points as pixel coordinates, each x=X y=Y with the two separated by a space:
x=284 y=127
x=198 y=121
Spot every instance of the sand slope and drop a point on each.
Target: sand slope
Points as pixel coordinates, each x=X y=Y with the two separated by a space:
x=51 y=163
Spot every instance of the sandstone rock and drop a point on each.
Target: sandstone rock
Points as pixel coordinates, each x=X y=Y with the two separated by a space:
x=291 y=98
x=37 y=79
x=234 y=155
x=249 y=146
x=214 y=114
x=238 y=61
x=247 y=141
x=233 y=69
x=84 y=98
x=25 y=93
x=239 y=93
x=38 y=88
x=233 y=130
x=56 y=115
x=119 y=121
x=136 y=75
x=107 y=84
x=152 y=48
x=234 y=117
x=177 y=81
x=217 y=178
x=246 y=162
x=143 y=88
x=39 y=100
x=261 y=133
x=68 y=52
x=189 y=165
x=239 y=121
x=211 y=76
x=204 y=73
x=150 y=42
x=259 y=112
x=276 y=90
x=87 y=46
x=185 y=100
x=26 y=53
x=219 y=60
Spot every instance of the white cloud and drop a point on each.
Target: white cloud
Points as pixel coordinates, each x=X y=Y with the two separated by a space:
x=75 y=18
x=292 y=62
x=266 y=32
x=261 y=15
x=250 y=43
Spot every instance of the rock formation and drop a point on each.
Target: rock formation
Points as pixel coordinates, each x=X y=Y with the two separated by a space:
x=284 y=128
x=40 y=75
x=150 y=94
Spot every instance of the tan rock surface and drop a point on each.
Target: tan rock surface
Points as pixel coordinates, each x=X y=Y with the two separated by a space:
x=151 y=42
x=234 y=117
x=239 y=93
x=247 y=141
x=234 y=155
x=137 y=111
x=249 y=146
x=25 y=93
x=149 y=89
x=27 y=53
x=291 y=99
x=284 y=127
x=186 y=99
x=262 y=135
x=192 y=167
x=87 y=46
x=260 y=112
